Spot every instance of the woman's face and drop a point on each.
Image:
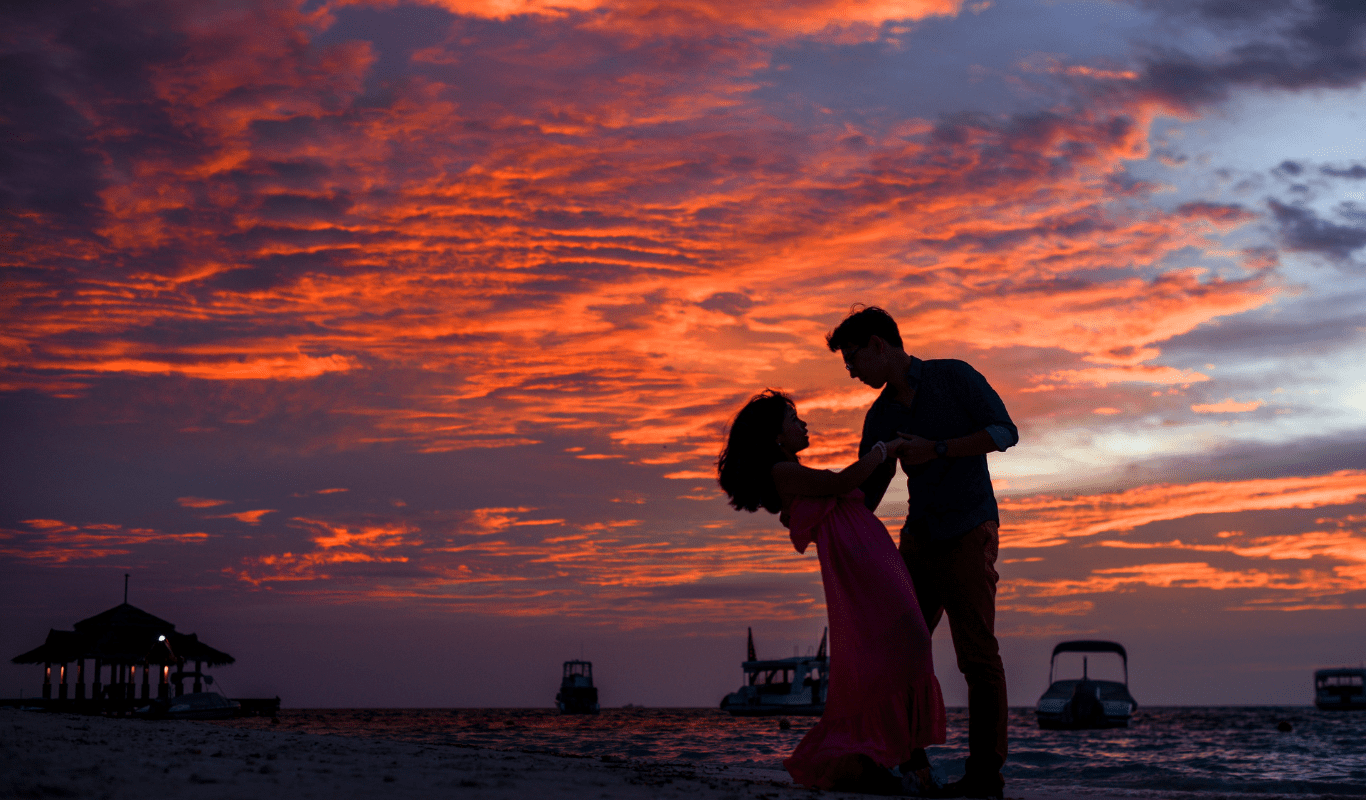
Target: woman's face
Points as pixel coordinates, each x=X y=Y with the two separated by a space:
x=792 y=437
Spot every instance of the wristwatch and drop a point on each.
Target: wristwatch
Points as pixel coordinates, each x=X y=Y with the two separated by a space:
x=941 y=449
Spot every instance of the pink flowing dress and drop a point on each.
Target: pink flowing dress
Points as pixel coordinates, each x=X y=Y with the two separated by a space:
x=882 y=700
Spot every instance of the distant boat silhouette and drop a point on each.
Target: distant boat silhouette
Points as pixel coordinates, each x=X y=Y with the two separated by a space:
x=1086 y=704
x=793 y=686
x=1340 y=689
x=196 y=705
x=577 y=693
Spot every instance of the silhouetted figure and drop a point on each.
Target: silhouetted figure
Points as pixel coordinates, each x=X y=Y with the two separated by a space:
x=951 y=418
x=883 y=704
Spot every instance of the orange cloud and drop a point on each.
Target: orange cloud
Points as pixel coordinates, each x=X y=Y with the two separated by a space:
x=1339 y=545
x=593 y=572
x=1288 y=591
x=1333 y=564
x=50 y=541
x=200 y=502
x=335 y=547
x=677 y=16
x=1048 y=521
x=1229 y=406
x=249 y=517
x=259 y=369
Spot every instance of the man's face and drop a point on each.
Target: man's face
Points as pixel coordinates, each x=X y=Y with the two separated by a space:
x=867 y=363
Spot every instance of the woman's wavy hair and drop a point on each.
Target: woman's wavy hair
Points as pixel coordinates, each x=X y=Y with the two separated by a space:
x=745 y=467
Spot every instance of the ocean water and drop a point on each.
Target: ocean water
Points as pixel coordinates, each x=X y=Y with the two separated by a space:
x=1217 y=751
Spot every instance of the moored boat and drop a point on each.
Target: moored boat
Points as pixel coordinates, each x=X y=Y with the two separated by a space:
x=577 y=694
x=1340 y=689
x=1086 y=703
x=790 y=686
x=195 y=705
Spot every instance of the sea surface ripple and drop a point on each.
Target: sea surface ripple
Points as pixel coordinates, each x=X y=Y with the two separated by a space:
x=1215 y=750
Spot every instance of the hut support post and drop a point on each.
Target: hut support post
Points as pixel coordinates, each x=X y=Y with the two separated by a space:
x=180 y=680
x=164 y=685
x=80 y=679
x=198 y=677
x=97 y=687
x=146 y=685
x=47 y=680
x=61 y=687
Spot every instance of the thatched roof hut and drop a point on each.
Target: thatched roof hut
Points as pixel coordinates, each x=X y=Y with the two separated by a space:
x=124 y=638
x=124 y=634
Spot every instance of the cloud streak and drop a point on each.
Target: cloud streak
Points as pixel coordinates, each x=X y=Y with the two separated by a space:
x=1047 y=521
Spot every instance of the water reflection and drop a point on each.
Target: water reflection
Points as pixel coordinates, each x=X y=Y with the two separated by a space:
x=1236 y=749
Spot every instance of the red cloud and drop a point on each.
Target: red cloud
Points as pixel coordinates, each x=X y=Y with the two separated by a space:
x=699 y=17
x=50 y=541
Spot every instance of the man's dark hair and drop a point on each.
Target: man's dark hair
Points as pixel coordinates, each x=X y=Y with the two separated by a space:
x=745 y=468
x=862 y=325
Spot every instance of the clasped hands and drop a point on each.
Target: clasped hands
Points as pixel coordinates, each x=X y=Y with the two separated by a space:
x=910 y=449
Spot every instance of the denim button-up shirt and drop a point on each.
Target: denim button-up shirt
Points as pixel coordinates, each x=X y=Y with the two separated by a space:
x=948 y=496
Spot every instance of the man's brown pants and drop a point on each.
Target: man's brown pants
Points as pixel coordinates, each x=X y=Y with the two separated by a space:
x=959 y=578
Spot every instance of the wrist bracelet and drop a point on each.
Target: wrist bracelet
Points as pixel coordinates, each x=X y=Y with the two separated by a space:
x=880 y=446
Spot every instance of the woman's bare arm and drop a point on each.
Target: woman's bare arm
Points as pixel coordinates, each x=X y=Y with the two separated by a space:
x=793 y=479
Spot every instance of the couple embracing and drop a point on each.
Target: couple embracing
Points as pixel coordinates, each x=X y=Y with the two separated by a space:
x=939 y=419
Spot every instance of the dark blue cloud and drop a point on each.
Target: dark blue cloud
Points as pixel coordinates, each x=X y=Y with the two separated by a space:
x=732 y=303
x=1293 y=46
x=1302 y=230
x=1354 y=172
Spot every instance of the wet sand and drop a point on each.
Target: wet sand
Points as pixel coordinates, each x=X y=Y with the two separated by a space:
x=61 y=755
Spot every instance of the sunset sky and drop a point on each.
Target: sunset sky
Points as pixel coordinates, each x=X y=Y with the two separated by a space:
x=389 y=345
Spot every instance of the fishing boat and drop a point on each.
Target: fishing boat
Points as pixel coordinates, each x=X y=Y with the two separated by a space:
x=1086 y=704
x=789 y=686
x=1340 y=689
x=577 y=694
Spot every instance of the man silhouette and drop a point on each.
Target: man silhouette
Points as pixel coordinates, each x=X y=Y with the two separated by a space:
x=950 y=538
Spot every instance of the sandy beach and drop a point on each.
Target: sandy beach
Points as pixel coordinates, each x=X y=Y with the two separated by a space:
x=62 y=755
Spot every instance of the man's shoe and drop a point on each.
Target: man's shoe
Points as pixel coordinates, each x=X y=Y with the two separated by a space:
x=973 y=788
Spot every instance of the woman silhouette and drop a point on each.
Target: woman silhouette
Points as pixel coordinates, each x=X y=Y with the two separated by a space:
x=883 y=704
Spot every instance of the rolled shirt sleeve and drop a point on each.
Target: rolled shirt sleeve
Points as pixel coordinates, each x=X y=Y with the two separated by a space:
x=1002 y=436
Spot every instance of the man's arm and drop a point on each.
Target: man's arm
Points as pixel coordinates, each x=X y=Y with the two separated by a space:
x=918 y=449
x=984 y=406
x=876 y=484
